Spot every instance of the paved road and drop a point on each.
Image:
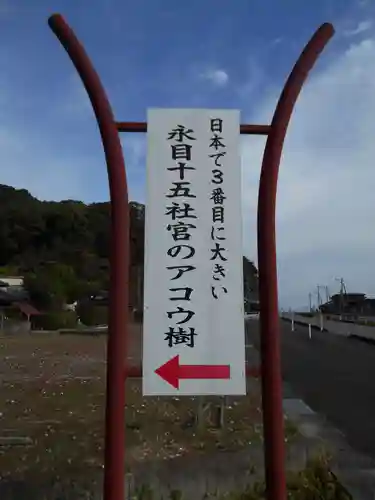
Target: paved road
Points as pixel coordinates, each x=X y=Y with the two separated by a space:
x=334 y=375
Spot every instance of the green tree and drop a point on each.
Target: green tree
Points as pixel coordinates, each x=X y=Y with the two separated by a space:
x=52 y=285
x=91 y=314
x=44 y=293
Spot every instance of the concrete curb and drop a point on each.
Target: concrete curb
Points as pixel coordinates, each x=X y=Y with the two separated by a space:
x=354 y=471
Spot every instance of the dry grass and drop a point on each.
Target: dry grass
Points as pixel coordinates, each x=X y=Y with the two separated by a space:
x=53 y=391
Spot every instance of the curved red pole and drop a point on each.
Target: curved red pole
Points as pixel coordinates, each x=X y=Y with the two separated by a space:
x=114 y=472
x=269 y=316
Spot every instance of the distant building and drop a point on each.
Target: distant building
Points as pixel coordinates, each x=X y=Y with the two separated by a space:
x=11 y=282
x=15 y=312
x=15 y=309
x=349 y=304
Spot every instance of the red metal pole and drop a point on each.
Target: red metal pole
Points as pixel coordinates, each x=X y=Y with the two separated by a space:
x=269 y=316
x=114 y=471
x=142 y=127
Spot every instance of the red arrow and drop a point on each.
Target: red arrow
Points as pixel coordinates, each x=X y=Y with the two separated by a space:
x=172 y=372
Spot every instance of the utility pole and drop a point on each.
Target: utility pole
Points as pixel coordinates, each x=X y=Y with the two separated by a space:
x=320 y=300
x=320 y=296
x=342 y=292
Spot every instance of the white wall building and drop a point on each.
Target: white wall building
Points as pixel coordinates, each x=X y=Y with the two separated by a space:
x=11 y=282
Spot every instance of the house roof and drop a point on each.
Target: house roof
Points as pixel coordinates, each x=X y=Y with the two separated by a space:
x=17 y=299
x=12 y=277
x=26 y=308
x=348 y=296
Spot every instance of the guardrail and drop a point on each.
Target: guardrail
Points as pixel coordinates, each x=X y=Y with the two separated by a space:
x=337 y=327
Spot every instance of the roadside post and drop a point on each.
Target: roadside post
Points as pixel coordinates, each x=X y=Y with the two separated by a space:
x=321 y=321
x=292 y=322
x=310 y=335
x=208 y=370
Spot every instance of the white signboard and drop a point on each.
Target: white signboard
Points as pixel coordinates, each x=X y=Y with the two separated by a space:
x=193 y=335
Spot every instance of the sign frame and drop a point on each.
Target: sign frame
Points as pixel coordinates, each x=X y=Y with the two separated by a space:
x=274 y=452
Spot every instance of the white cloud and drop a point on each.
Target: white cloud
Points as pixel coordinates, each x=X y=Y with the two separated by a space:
x=276 y=41
x=218 y=77
x=360 y=28
x=326 y=192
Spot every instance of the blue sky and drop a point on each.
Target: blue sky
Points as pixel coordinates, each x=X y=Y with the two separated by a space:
x=153 y=53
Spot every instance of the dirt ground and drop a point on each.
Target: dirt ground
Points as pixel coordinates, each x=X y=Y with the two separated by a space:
x=53 y=395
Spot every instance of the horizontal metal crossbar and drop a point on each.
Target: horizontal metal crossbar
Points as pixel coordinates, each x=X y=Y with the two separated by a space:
x=142 y=127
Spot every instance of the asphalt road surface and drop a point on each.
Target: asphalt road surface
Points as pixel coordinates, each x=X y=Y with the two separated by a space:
x=334 y=375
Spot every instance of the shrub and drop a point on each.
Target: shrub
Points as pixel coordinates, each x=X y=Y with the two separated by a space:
x=92 y=314
x=55 y=320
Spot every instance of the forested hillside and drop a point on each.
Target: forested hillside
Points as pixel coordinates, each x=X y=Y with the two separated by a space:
x=62 y=248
